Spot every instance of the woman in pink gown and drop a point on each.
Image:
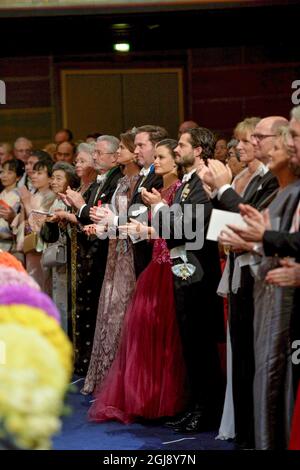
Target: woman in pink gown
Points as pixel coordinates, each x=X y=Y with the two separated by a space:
x=148 y=378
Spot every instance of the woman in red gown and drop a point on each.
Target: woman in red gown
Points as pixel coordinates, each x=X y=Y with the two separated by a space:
x=295 y=432
x=148 y=379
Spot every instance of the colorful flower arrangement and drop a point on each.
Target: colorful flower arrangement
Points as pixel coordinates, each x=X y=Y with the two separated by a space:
x=38 y=320
x=32 y=386
x=23 y=294
x=6 y=259
x=35 y=361
x=9 y=276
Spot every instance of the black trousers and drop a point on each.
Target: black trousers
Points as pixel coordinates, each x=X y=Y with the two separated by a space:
x=241 y=313
x=195 y=313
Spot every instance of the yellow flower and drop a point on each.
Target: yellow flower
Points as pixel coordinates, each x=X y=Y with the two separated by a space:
x=33 y=382
x=37 y=319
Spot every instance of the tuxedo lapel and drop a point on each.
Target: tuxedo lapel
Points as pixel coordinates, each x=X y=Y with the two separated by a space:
x=178 y=193
x=252 y=187
x=185 y=189
x=96 y=192
x=146 y=182
x=135 y=191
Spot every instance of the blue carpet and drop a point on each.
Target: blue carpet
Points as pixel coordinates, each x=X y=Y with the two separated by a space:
x=79 y=434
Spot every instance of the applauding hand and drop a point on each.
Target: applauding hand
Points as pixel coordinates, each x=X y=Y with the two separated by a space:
x=219 y=174
x=72 y=198
x=257 y=224
x=136 y=228
x=234 y=241
x=151 y=198
x=287 y=276
x=102 y=215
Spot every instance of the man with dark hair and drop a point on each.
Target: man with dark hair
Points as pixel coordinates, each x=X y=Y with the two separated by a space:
x=185 y=125
x=63 y=135
x=199 y=309
x=36 y=156
x=146 y=137
x=65 y=152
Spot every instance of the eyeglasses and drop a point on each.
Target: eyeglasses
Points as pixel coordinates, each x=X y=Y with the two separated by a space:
x=99 y=153
x=261 y=137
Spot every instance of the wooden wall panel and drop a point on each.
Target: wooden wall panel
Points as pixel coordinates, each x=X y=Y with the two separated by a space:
x=28 y=93
x=244 y=81
x=268 y=106
x=29 y=110
x=92 y=103
x=153 y=98
x=220 y=116
x=32 y=123
x=224 y=93
x=21 y=67
x=224 y=85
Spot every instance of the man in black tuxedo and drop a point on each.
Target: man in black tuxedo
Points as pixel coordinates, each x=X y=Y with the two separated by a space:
x=146 y=137
x=281 y=244
x=258 y=194
x=199 y=309
x=105 y=160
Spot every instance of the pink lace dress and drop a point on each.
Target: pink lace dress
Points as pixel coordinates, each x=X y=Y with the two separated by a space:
x=148 y=377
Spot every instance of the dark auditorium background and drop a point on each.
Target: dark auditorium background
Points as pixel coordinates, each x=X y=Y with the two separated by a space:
x=230 y=60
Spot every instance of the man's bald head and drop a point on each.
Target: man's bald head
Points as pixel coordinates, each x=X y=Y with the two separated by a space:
x=273 y=123
x=264 y=135
x=22 y=148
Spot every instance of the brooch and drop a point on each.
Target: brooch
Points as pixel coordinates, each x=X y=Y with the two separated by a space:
x=184 y=270
x=186 y=191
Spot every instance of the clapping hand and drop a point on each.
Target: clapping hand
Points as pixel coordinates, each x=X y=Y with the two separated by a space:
x=7 y=213
x=25 y=194
x=234 y=241
x=95 y=229
x=137 y=229
x=205 y=175
x=72 y=198
x=287 y=276
x=219 y=174
x=103 y=215
x=89 y=229
x=151 y=198
x=257 y=223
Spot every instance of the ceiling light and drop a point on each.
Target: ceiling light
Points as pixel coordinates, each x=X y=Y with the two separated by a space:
x=121 y=47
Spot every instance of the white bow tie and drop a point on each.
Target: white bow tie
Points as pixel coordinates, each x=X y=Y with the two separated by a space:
x=144 y=171
x=187 y=177
x=101 y=178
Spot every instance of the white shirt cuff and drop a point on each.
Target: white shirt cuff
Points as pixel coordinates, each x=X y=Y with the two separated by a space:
x=258 y=248
x=214 y=193
x=116 y=221
x=157 y=207
x=222 y=190
x=80 y=210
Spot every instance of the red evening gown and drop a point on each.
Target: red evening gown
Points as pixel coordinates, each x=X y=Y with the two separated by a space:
x=148 y=377
x=295 y=432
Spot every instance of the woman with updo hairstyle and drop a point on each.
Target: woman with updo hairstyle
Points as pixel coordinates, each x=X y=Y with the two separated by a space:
x=119 y=280
x=148 y=378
